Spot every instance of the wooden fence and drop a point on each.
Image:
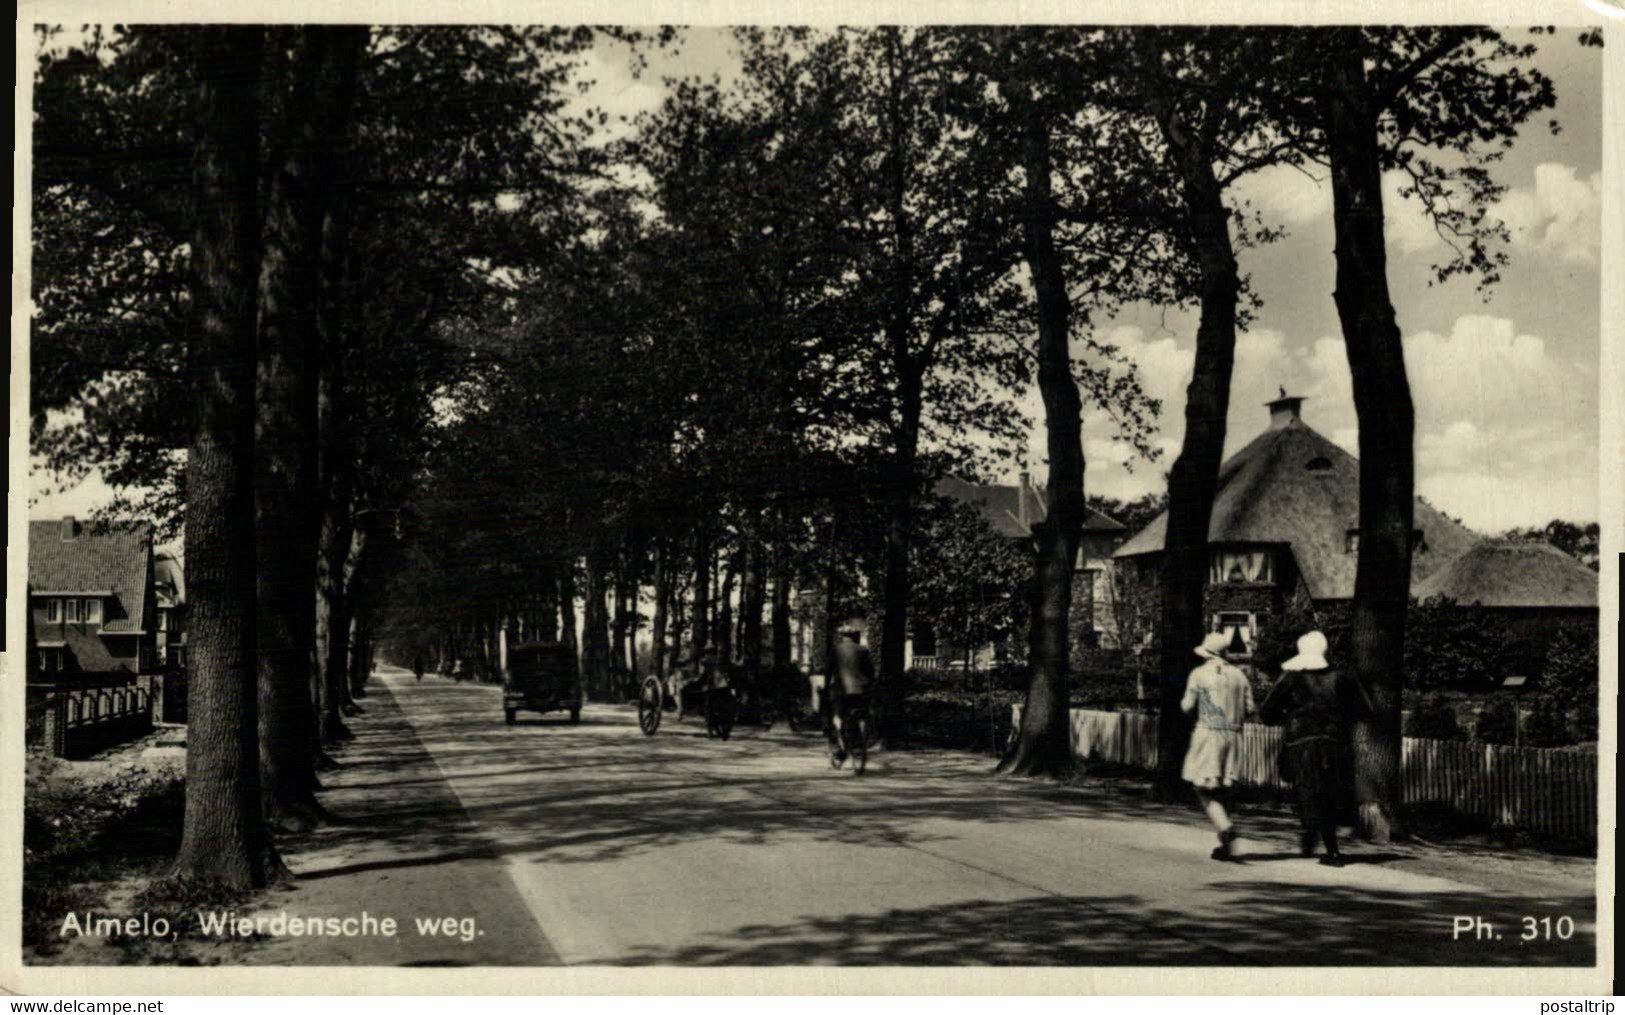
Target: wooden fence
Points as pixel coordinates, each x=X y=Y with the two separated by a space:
x=1551 y=791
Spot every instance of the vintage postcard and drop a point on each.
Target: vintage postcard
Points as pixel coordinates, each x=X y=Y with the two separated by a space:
x=669 y=498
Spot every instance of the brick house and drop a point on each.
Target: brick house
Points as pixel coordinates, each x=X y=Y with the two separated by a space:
x=1012 y=510
x=92 y=601
x=1285 y=529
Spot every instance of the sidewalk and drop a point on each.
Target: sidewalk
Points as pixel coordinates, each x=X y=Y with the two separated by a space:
x=404 y=850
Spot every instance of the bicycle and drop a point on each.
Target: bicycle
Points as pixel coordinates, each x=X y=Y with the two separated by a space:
x=853 y=734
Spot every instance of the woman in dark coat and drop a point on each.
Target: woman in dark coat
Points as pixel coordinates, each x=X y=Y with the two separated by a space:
x=1319 y=705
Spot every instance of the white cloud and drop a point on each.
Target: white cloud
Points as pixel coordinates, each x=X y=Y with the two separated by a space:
x=1285 y=195
x=1556 y=215
x=1406 y=225
x=1506 y=430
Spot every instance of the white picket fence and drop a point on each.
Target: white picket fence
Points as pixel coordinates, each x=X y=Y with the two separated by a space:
x=1526 y=787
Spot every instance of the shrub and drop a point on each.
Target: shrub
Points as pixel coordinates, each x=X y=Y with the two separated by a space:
x=1547 y=724
x=1435 y=719
x=1497 y=723
x=1570 y=672
x=1449 y=646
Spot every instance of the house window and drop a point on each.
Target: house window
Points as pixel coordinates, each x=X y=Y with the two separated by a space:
x=1229 y=623
x=1351 y=541
x=53 y=611
x=93 y=611
x=50 y=660
x=163 y=620
x=1230 y=566
x=72 y=606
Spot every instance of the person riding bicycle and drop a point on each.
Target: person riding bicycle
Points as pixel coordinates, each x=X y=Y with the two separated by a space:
x=847 y=688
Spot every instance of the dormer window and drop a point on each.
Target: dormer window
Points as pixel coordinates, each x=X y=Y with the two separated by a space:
x=1239 y=567
x=72 y=607
x=53 y=611
x=93 y=611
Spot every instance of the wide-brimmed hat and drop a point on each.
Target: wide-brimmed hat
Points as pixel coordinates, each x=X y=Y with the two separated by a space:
x=1213 y=645
x=1311 y=653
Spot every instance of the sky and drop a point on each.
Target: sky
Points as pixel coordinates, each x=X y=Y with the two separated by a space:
x=1505 y=384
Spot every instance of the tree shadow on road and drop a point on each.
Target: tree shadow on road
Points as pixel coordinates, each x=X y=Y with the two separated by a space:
x=613 y=796
x=1272 y=924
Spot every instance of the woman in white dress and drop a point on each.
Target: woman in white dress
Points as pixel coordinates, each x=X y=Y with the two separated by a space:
x=1219 y=697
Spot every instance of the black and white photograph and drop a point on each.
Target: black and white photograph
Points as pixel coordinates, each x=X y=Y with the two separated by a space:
x=764 y=494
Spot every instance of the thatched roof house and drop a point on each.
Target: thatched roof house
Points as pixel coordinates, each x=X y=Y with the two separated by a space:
x=1293 y=491
x=1514 y=575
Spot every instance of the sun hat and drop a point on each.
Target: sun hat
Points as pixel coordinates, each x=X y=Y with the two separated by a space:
x=1212 y=645
x=1311 y=653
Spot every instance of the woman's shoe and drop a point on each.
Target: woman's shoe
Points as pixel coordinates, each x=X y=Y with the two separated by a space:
x=1223 y=851
x=1332 y=861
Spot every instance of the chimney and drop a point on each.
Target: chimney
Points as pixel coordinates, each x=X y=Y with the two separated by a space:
x=70 y=528
x=1285 y=410
x=1021 y=499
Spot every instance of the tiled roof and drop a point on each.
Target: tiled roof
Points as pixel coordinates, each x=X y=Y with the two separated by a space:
x=112 y=558
x=1293 y=486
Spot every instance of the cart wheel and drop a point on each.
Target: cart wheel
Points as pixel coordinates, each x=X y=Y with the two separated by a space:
x=648 y=707
x=509 y=714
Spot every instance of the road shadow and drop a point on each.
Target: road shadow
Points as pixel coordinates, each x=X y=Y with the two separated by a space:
x=1272 y=924
x=602 y=791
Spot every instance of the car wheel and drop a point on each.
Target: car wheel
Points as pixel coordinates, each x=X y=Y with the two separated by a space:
x=510 y=714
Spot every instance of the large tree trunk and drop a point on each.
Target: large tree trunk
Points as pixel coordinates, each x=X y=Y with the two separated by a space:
x=223 y=837
x=897 y=587
x=782 y=659
x=723 y=636
x=567 y=611
x=751 y=600
x=619 y=625
x=700 y=613
x=1193 y=481
x=595 y=630
x=1382 y=403
x=1043 y=745
x=335 y=478
x=286 y=508
x=657 y=634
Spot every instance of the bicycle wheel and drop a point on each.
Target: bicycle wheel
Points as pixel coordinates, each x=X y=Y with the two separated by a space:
x=649 y=706
x=855 y=732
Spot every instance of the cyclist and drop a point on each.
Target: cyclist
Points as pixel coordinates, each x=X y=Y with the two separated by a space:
x=847 y=688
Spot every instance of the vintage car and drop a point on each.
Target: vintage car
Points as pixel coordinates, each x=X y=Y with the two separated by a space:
x=541 y=677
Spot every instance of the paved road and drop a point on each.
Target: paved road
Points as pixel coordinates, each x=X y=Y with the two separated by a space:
x=680 y=849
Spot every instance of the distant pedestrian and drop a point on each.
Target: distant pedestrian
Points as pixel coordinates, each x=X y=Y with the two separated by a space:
x=1319 y=705
x=1219 y=696
x=847 y=689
